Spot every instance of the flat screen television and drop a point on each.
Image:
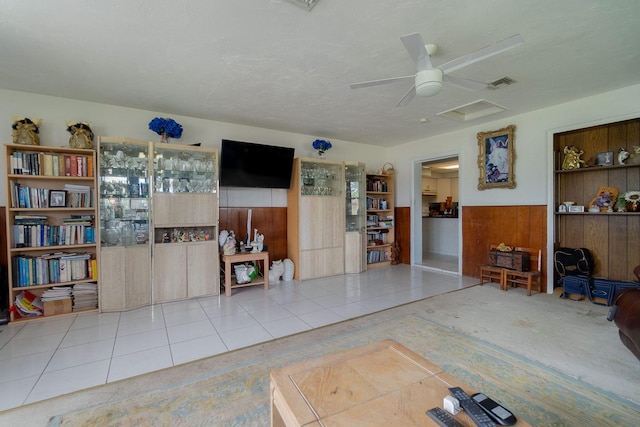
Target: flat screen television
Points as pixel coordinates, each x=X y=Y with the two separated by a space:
x=246 y=164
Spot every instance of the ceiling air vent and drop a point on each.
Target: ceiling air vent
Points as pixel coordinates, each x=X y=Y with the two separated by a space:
x=505 y=81
x=473 y=110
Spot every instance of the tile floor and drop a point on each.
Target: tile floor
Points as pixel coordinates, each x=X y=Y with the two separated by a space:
x=47 y=358
x=436 y=261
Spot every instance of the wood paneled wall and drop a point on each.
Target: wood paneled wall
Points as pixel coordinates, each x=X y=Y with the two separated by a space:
x=272 y=222
x=483 y=226
x=403 y=233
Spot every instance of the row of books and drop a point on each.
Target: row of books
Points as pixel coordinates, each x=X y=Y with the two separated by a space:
x=377 y=256
x=377 y=237
x=377 y=186
x=35 y=236
x=84 y=296
x=59 y=267
x=73 y=196
x=51 y=164
x=377 y=203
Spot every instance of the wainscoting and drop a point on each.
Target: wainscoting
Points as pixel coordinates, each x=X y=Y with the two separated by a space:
x=272 y=222
x=483 y=226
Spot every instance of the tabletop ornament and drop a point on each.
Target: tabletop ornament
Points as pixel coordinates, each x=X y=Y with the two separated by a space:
x=81 y=134
x=25 y=130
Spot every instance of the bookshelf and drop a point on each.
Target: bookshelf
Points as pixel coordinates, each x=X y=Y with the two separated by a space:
x=50 y=230
x=380 y=221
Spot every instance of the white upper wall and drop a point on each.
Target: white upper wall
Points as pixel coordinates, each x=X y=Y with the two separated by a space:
x=533 y=138
x=109 y=120
x=532 y=142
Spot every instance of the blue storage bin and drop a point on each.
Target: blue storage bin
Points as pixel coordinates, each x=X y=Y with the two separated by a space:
x=576 y=287
x=604 y=290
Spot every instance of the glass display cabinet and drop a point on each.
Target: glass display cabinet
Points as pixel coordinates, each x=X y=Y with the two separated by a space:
x=185 y=222
x=355 y=217
x=123 y=192
x=316 y=218
x=124 y=195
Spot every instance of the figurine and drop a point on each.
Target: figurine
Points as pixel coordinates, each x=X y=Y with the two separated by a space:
x=572 y=158
x=81 y=135
x=229 y=247
x=623 y=155
x=25 y=131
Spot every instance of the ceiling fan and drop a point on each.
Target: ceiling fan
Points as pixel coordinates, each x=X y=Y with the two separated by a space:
x=428 y=79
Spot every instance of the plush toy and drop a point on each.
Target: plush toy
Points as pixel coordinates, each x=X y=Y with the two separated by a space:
x=81 y=134
x=25 y=131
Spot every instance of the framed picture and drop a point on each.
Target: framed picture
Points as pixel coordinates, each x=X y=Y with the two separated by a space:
x=57 y=199
x=605 y=159
x=495 y=158
x=575 y=208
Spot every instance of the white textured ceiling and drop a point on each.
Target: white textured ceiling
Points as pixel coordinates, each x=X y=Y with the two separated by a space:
x=271 y=64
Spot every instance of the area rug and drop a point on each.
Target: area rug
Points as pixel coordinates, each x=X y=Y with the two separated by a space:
x=239 y=395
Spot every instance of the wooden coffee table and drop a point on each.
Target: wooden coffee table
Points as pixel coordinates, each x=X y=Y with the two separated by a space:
x=381 y=384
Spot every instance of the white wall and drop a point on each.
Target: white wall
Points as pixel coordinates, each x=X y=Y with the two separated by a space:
x=109 y=120
x=531 y=142
x=532 y=148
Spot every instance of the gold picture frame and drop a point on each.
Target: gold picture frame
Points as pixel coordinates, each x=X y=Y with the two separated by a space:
x=496 y=157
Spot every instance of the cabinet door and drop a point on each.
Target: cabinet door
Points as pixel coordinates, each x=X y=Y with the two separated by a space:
x=202 y=269
x=321 y=263
x=322 y=222
x=169 y=272
x=138 y=276
x=112 y=278
x=185 y=209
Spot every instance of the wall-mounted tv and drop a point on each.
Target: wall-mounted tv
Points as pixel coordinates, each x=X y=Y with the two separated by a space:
x=246 y=164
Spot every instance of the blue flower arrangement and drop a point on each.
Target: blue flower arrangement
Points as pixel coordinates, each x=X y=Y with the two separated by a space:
x=321 y=145
x=166 y=126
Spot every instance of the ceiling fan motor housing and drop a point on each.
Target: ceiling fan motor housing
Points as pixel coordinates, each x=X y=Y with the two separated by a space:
x=428 y=82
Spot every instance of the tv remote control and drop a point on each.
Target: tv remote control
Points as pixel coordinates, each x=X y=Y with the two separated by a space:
x=476 y=413
x=499 y=413
x=443 y=418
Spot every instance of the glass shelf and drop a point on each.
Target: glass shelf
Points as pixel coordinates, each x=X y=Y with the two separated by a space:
x=177 y=170
x=355 y=193
x=124 y=192
x=320 y=179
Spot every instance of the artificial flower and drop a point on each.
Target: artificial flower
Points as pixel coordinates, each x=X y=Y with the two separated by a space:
x=321 y=145
x=632 y=196
x=166 y=126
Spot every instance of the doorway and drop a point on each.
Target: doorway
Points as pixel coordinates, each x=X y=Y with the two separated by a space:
x=436 y=225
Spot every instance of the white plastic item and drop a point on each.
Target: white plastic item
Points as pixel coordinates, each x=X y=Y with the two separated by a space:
x=288 y=270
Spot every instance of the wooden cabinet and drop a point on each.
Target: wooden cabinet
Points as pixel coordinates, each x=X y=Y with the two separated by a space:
x=185 y=222
x=429 y=186
x=316 y=218
x=380 y=219
x=159 y=222
x=50 y=228
x=610 y=236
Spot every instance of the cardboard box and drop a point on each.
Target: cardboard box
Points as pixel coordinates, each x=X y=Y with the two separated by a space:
x=61 y=306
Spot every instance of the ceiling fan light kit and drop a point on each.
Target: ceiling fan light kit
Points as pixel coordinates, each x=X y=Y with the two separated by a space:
x=428 y=82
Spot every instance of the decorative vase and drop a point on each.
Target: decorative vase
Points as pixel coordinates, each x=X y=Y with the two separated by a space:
x=164 y=138
x=288 y=270
x=320 y=154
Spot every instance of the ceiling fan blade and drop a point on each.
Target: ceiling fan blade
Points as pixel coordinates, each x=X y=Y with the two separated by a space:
x=406 y=99
x=484 y=53
x=417 y=50
x=380 y=82
x=464 y=83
